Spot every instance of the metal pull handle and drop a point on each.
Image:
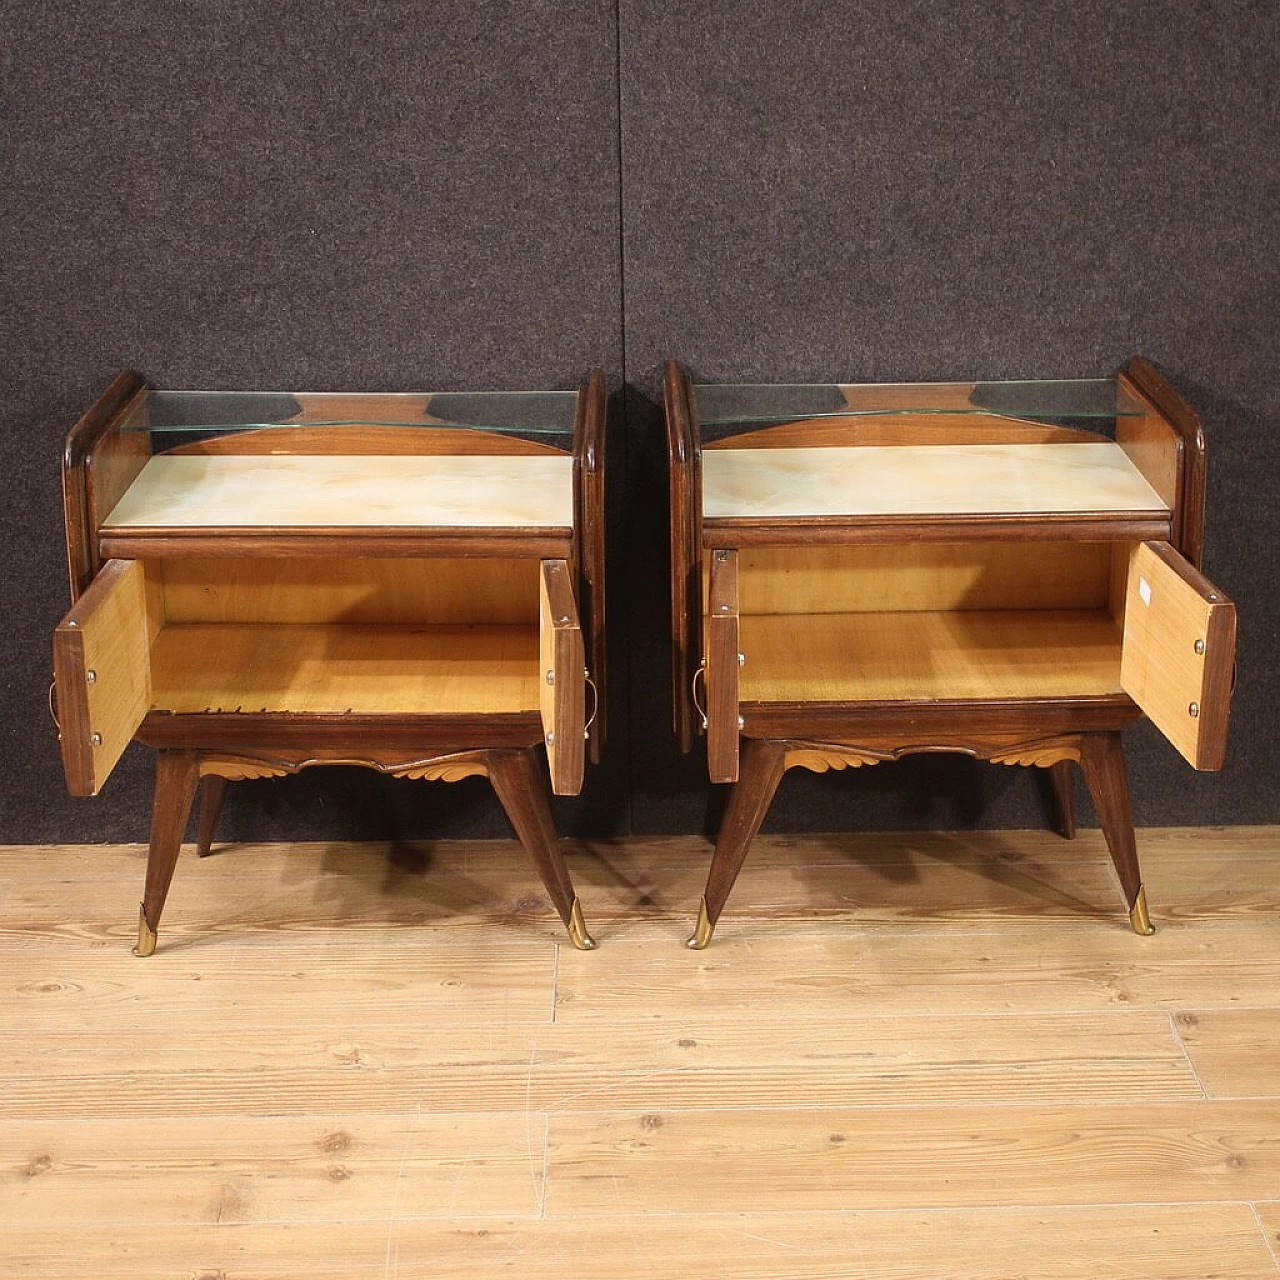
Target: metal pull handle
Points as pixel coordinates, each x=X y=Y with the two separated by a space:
x=53 y=707
x=595 y=703
x=693 y=692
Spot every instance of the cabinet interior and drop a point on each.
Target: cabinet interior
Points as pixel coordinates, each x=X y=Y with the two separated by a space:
x=343 y=634
x=935 y=620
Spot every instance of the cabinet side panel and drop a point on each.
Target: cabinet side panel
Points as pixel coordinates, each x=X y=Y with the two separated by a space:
x=117 y=460
x=1122 y=554
x=1153 y=446
x=1168 y=412
x=97 y=462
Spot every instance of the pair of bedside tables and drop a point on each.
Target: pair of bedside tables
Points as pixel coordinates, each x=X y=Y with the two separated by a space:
x=264 y=582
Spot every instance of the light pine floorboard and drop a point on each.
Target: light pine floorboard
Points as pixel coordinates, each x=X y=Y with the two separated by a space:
x=1236 y=1052
x=1181 y=1242
x=903 y=1055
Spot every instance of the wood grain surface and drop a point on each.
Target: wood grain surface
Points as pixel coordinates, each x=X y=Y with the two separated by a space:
x=561 y=689
x=302 y=667
x=396 y=1066
x=874 y=1158
x=102 y=672
x=721 y=683
x=1179 y=652
x=913 y=480
x=269 y=491
x=872 y=577
x=345 y=589
x=967 y=653
x=1235 y=1052
x=1183 y=1242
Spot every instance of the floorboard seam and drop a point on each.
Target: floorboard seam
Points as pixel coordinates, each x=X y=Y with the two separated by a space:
x=546 y=1163
x=1042 y=1104
x=1266 y=1235
x=555 y=983
x=973 y=1207
x=1186 y=1053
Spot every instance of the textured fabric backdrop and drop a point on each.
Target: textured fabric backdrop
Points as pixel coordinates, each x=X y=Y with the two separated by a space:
x=294 y=195
x=405 y=196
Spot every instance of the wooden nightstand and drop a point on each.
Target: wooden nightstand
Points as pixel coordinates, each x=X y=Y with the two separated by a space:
x=860 y=573
x=263 y=582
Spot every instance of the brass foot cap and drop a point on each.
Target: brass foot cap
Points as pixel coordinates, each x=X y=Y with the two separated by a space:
x=702 y=930
x=578 y=934
x=1140 y=917
x=146 y=936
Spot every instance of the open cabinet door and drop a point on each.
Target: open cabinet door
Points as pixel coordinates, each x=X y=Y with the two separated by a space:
x=684 y=461
x=102 y=673
x=562 y=678
x=1179 y=652
x=721 y=669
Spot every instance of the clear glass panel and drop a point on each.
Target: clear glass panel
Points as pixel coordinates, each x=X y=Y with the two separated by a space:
x=1087 y=400
x=536 y=414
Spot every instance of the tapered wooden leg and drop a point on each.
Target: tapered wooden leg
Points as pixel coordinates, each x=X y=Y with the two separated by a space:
x=760 y=770
x=1062 y=780
x=523 y=791
x=1102 y=761
x=177 y=773
x=213 y=790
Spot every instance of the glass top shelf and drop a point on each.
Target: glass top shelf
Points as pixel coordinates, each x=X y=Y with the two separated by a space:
x=1101 y=399
x=523 y=413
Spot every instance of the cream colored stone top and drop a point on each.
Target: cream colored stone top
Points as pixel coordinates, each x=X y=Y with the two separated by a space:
x=976 y=479
x=302 y=491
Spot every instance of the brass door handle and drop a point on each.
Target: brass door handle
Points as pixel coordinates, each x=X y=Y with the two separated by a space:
x=693 y=692
x=595 y=703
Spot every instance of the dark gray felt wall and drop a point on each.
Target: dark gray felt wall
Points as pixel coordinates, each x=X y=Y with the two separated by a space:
x=402 y=196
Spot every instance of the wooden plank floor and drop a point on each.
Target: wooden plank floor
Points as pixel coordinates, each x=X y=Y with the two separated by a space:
x=902 y=1056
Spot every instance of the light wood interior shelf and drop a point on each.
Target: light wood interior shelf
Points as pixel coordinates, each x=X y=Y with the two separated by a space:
x=909 y=656
x=338 y=667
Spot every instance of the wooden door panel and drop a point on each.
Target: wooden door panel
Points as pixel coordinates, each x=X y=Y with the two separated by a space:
x=102 y=671
x=562 y=682
x=722 y=640
x=1179 y=652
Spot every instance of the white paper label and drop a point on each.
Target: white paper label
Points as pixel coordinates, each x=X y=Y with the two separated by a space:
x=1144 y=590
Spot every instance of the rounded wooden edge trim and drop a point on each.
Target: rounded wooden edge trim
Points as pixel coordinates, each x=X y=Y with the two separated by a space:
x=997 y=749
x=448 y=767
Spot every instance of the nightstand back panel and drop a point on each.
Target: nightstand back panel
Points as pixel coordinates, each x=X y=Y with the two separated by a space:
x=350 y=589
x=873 y=577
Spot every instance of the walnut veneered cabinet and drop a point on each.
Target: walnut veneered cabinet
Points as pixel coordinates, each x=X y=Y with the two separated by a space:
x=264 y=582
x=1008 y=570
